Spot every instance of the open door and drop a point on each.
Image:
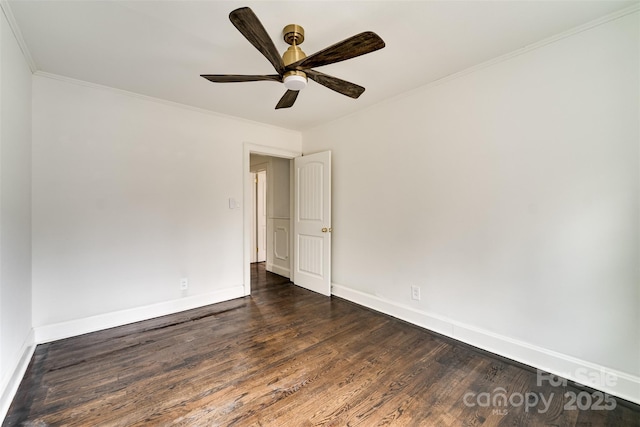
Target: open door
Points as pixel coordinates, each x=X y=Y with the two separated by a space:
x=312 y=222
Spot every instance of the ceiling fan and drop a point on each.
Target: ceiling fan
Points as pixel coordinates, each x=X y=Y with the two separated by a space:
x=294 y=67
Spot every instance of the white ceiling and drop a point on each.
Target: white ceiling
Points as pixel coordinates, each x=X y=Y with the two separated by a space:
x=159 y=48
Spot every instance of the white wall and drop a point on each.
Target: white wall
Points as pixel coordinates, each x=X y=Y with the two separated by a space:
x=15 y=213
x=510 y=196
x=129 y=196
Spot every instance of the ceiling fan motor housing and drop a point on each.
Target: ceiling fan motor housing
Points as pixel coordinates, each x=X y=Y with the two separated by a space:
x=294 y=35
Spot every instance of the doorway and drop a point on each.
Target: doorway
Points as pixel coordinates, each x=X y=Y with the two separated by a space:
x=308 y=254
x=270 y=213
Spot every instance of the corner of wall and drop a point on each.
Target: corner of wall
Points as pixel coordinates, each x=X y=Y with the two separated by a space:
x=17 y=336
x=17 y=33
x=10 y=384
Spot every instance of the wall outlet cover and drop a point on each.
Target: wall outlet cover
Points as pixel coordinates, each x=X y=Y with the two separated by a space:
x=415 y=292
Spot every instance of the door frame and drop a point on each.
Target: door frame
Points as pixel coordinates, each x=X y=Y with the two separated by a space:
x=248 y=149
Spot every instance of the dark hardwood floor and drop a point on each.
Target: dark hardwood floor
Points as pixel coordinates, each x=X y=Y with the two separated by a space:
x=289 y=357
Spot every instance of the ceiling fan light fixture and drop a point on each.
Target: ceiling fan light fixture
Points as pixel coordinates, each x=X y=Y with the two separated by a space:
x=295 y=80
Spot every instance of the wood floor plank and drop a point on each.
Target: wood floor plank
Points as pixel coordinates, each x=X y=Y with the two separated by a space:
x=283 y=357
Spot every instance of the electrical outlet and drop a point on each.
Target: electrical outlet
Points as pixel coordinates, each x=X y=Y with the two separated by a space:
x=184 y=284
x=415 y=292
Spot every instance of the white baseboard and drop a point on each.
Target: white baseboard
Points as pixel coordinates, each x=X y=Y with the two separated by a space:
x=10 y=385
x=282 y=271
x=48 y=333
x=623 y=385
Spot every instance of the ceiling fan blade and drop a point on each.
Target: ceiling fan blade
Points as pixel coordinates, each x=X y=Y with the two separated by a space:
x=251 y=28
x=235 y=78
x=357 y=45
x=341 y=86
x=287 y=99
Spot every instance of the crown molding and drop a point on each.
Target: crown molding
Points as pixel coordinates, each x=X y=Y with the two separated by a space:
x=123 y=92
x=535 y=46
x=491 y=62
x=13 y=24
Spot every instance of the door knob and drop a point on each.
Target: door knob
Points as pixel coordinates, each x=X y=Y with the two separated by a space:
x=325 y=229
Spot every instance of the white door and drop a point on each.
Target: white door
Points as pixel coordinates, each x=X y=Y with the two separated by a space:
x=312 y=222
